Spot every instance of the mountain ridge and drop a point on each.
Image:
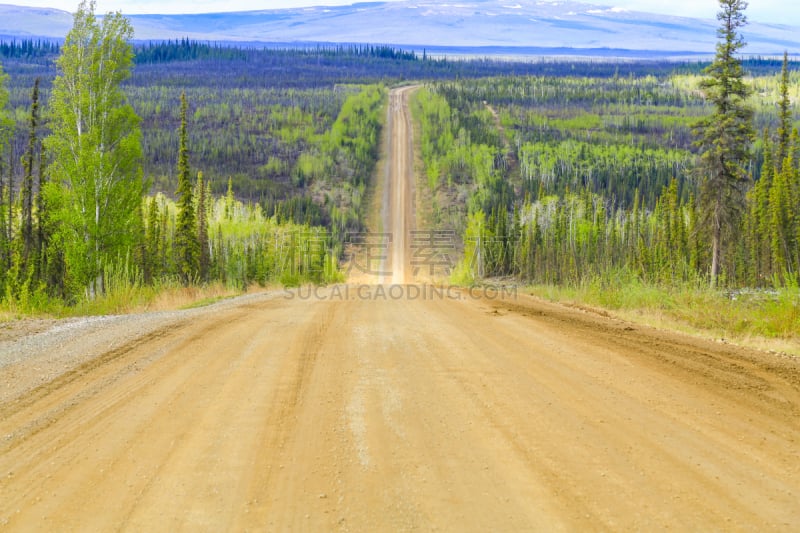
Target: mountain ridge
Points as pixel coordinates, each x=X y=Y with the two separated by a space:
x=487 y=24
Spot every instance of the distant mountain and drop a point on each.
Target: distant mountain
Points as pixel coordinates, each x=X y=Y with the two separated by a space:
x=502 y=26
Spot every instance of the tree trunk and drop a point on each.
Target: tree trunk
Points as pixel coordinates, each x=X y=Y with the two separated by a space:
x=715 y=253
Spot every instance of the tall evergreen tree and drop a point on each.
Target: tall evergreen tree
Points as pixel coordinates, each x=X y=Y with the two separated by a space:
x=27 y=230
x=95 y=149
x=760 y=218
x=781 y=218
x=784 y=114
x=186 y=245
x=10 y=201
x=229 y=200
x=152 y=238
x=6 y=133
x=725 y=136
x=202 y=228
x=42 y=215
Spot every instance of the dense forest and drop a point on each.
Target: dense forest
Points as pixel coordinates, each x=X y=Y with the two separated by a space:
x=656 y=178
x=587 y=178
x=246 y=165
x=244 y=101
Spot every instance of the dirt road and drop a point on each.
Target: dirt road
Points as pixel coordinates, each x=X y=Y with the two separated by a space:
x=395 y=408
x=397 y=207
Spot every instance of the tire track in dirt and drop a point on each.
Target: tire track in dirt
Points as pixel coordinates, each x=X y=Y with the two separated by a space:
x=399 y=219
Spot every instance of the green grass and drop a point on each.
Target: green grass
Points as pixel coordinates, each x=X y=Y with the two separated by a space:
x=742 y=315
x=123 y=299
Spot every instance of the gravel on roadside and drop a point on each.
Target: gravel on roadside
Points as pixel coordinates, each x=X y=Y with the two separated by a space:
x=37 y=351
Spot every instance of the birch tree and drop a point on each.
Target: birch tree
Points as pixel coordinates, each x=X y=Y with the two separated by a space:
x=94 y=148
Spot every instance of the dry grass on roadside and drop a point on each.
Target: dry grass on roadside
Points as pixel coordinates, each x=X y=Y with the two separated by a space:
x=766 y=320
x=189 y=297
x=124 y=300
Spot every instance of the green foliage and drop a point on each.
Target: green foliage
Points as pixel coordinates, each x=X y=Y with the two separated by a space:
x=584 y=181
x=739 y=314
x=236 y=244
x=95 y=149
x=724 y=137
x=186 y=236
x=337 y=166
x=6 y=187
x=470 y=268
x=28 y=48
x=451 y=152
x=615 y=170
x=355 y=135
x=203 y=211
x=253 y=135
x=785 y=113
x=6 y=120
x=30 y=262
x=311 y=167
x=580 y=179
x=185 y=50
x=243 y=246
x=433 y=114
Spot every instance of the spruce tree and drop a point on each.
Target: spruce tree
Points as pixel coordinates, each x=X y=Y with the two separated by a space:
x=725 y=136
x=780 y=211
x=202 y=228
x=6 y=133
x=43 y=222
x=27 y=233
x=186 y=245
x=784 y=114
x=230 y=201
x=152 y=241
x=166 y=242
x=760 y=198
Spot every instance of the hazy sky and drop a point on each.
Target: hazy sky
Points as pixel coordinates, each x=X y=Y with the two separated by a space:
x=781 y=11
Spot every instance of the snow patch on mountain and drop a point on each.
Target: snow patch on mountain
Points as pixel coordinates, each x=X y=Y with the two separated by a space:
x=414 y=23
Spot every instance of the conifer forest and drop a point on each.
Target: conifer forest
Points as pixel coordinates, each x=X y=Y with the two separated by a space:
x=194 y=162
x=255 y=286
